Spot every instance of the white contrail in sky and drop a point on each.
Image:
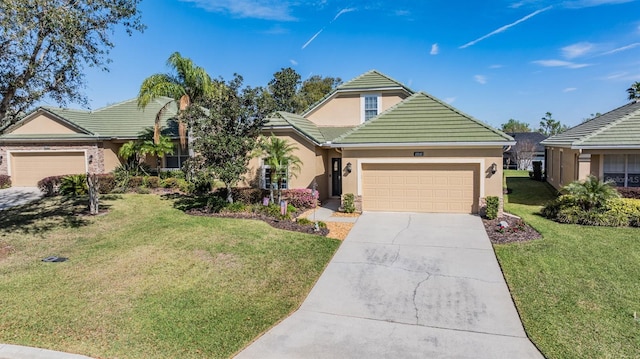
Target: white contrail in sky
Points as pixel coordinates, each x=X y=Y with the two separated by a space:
x=340 y=13
x=505 y=27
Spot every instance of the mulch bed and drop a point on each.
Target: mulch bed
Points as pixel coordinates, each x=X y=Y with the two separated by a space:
x=280 y=224
x=516 y=230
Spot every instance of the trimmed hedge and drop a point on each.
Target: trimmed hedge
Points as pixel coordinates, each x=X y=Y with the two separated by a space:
x=50 y=186
x=107 y=183
x=629 y=192
x=493 y=205
x=5 y=181
x=301 y=198
x=617 y=212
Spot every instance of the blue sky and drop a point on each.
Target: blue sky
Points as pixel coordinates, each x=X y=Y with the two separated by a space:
x=494 y=60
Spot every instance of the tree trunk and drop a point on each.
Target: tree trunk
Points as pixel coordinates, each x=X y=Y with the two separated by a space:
x=229 y=194
x=94 y=195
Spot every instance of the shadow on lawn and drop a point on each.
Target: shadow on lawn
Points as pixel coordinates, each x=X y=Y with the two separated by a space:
x=46 y=214
x=523 y=190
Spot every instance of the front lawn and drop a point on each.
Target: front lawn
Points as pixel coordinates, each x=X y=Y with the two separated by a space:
x=578 y=287
x=148 y=281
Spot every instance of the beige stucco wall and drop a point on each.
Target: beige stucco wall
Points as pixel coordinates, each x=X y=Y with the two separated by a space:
x=313 y=165
x=346 y=110
x=42 y=124
x=490 y=184
x=111 y=159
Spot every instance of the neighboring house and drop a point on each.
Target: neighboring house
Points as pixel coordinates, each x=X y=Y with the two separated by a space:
x=53 y=141
x=393 y=148
x=607 y=146
x=526 y=150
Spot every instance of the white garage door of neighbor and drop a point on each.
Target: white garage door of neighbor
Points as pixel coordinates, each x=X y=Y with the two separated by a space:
x=27 y=168
x=446 y=188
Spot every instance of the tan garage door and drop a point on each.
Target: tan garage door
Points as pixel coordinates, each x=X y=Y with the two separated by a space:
x=448 y=188
x=27 y=168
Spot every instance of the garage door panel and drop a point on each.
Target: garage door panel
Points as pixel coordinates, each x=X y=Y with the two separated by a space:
x=420 y=187
x=27 y=168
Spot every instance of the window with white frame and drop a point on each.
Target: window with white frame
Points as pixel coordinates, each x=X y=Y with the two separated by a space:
x=623 y=170
x=267 y=178
x=370 y=106
x=177 y=159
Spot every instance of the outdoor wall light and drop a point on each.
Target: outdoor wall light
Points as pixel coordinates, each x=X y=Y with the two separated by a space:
x=90 y=158
x=493 y=168
x=349 y=168
x=0 y=159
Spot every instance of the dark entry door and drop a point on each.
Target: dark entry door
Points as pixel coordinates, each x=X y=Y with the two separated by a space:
x=336 y=176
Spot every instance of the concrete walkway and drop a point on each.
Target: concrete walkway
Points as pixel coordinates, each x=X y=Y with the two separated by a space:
x=405 y=286
x=325 y=212
x=16 y=196
x=8 y=351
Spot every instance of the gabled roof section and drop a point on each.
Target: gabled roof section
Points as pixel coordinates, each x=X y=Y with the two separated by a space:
x=282 y=119
x=423 y=119
x=371 y=80
x=619 y=128
x=121 y=120
x=50 y=114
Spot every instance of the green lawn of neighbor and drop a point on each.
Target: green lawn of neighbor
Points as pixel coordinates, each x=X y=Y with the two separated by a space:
x=578 y=287
x=146 y=280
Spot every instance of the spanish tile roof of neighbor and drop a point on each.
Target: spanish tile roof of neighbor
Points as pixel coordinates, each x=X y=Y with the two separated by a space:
x=121 y=120
x=422 y=118
x=619 y=128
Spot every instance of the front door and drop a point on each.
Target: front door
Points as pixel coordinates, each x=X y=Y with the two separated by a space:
x=336 y=176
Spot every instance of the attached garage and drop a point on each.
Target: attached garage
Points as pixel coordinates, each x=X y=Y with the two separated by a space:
x=27 y=168
x=401 y=187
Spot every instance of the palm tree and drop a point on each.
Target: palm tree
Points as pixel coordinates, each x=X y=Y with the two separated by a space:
x=634 y=91
x=162 y=147
x=282 y=162
x=186 y=85
x=592 y=193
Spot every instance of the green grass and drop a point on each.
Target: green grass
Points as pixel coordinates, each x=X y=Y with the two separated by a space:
x=147 y=281
x=578 y=287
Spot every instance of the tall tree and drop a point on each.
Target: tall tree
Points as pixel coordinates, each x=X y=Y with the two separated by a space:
x=513 y=126
x=186 y=84
x=44 y=46
x=314 y=89
x=282 y=162
x=284 y=88
x=634 y=91
x=549 y=126
x=226 y=134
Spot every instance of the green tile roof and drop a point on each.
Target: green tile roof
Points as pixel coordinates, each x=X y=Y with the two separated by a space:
x=330 y=133
x=121 y=120
x=616 y=128
x=304 y=126
x=422 y=118
x=372 y=80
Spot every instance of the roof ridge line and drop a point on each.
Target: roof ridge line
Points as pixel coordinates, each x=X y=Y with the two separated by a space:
x=607 y=126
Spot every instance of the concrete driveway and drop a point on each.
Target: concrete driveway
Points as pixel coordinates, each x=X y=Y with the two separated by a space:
x=405 y=286
x=17 y=196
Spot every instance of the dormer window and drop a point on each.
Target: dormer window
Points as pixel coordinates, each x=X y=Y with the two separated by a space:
x=370 y=104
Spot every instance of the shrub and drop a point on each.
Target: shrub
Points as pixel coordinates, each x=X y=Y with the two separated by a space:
x=273 y=210
x=614 y=213
x=629 y=192
x=234 y=207
x=152 y=181
x=142 y=190
x=107 y=183
x=592 y=193
x=302 y=198
x=248 y=195
x=215 y=203
x=493 y=205
x=172 y=174
x=322 y=224
x=135 y=182
x=5 y=181
x=74 y=185
x=50 y=186
x=304 y=221
x=185 y=186
x=348 y=203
